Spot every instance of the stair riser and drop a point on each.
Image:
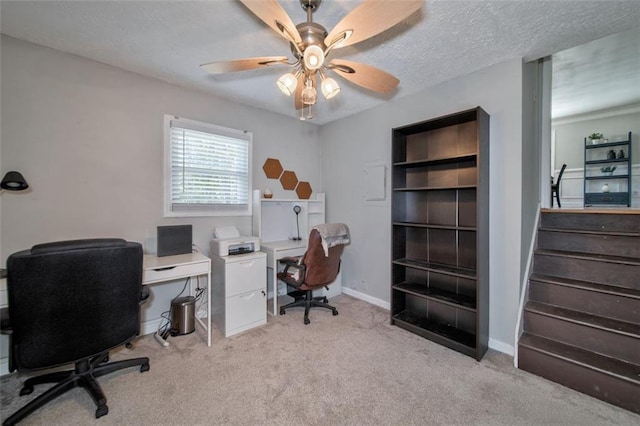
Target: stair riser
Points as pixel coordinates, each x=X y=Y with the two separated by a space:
x=592 y=222
x=612 y=245
x=614 y=274
x=596 y=303
x=597 y=384
x=615 y=345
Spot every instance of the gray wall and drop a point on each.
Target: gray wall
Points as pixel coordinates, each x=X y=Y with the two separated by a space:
x=88 y=137
x=350 y=144
x=89 y=140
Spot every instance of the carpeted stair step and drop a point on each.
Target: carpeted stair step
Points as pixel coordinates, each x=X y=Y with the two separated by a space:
x=619 y=271
x=605 y=378
x=597 y=299
x=606 y=336
x=628 y=222
x=626 y=244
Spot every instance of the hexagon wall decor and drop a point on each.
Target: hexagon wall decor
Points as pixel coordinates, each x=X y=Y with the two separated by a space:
x=289 y=180
x=303 y=190
x=272 y=168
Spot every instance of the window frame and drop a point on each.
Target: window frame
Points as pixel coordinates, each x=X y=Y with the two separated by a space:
x=213 y=129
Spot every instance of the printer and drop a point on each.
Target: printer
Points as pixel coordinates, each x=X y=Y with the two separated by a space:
x=234 y=245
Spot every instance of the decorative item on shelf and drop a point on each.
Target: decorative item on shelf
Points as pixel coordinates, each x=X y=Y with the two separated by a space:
x=267 y=193
x=605 y=187
x=608 y=170
x=595 y=138
x=611 y=155
x=621 y=153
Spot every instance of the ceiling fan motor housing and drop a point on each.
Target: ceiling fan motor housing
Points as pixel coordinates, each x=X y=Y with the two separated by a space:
x=311 y=34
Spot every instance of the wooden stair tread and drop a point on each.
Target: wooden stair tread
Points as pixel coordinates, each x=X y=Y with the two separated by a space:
x=586 y=285
x=590 y=232
x=621 y=369
x=607 y=324
x=589 y=256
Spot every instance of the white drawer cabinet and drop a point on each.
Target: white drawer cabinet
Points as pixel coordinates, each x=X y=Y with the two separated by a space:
x=239 y=292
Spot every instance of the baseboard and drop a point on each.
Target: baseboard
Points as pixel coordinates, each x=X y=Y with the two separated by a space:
x=151 y=326
x=370 y=299
x=497 y=345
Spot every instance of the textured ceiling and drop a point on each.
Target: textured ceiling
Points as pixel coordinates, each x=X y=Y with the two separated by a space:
x=168 y=40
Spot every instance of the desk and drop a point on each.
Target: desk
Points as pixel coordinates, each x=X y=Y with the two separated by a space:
x=276 y=250
x=161 y=269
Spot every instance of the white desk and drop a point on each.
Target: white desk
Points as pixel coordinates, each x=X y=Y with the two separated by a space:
x=277 y=250
x=161 y=269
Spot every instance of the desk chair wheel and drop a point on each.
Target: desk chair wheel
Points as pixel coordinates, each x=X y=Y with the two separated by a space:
x=307 y=320
x=334 y=312
x=102 y=410
x=282 y=311
x=144 y=367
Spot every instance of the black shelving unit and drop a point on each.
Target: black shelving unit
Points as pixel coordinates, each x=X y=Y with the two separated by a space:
x=607 y=189
x=440 y=228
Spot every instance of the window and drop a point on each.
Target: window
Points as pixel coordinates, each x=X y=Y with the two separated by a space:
x=207 y=169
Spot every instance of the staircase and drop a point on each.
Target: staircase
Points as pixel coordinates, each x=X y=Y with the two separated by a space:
x=582 y=317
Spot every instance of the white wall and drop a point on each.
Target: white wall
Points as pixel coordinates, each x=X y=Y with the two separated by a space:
x=349 y=144
x=89 y=140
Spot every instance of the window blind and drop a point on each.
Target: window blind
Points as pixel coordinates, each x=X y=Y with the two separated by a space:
x=209 y=168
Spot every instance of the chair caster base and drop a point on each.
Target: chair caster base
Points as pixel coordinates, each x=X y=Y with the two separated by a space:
x=334 y=312
x=102 y=410
x=307 y=321
x=282 y=311
x=144 y=367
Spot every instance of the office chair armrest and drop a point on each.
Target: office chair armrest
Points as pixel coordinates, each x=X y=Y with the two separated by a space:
x=293 y=274
x=290 y=260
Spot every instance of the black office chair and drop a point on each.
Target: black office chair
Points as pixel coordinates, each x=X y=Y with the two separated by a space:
x=555 y=187
x=317 y=268
x=72 y=302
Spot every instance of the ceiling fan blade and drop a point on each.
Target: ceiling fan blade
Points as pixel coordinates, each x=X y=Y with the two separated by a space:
x=366 y=76
x=272 y=13
x=242 y=64
x=371 y=17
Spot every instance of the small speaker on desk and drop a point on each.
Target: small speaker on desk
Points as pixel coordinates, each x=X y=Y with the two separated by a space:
x=176 y=239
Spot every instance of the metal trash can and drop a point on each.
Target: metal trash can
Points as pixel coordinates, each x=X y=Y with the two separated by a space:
x=183 y=315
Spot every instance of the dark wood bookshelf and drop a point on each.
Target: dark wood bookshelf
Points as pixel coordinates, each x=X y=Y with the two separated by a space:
x=440 y=230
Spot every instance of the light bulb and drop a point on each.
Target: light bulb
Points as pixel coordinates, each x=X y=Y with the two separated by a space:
x=329 y=88
x=287 y=84
x=309 y=94
x=313 y=57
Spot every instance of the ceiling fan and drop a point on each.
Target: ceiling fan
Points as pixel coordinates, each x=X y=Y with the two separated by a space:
x=311 y=44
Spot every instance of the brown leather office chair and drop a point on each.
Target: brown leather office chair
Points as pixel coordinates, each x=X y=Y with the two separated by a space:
x=316 y=268
x=555 y=187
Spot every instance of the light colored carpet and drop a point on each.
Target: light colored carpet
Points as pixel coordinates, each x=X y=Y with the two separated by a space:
x=353 y=369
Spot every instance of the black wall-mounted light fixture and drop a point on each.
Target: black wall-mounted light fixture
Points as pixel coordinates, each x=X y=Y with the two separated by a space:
x=14 y=181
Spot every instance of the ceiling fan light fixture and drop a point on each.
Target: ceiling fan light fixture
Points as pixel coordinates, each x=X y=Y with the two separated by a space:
x=330 y=88
x=309 y=94
x=313 y=57
x=287 y=83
